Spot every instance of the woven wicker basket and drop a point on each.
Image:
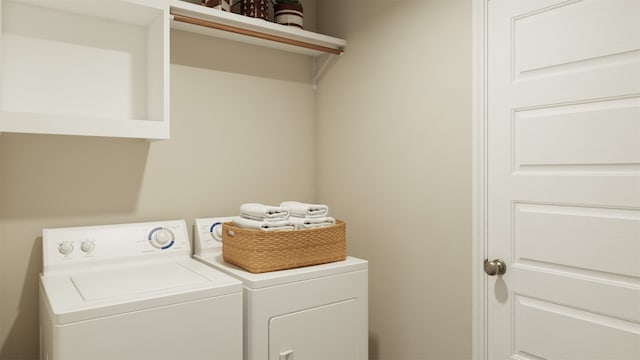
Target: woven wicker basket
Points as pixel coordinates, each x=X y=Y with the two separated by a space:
x=260 y=251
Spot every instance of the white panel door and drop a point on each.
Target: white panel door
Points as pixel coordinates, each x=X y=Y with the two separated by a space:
x=563 y=160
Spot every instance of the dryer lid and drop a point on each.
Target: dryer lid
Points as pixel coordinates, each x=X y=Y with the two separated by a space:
x=273 y=278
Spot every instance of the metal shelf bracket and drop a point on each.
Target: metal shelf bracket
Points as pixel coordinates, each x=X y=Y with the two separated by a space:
x=320 y=66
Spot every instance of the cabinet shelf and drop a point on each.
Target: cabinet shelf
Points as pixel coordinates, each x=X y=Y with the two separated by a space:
x=226 y=25
x=75 y=68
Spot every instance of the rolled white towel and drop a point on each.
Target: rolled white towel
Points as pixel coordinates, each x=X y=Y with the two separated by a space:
x=312 y=223
x=263 y=212
x=266 y=225
x=306 y=210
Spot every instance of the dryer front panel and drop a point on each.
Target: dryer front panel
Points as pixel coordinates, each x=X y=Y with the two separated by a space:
x=324 y=332
x=304 y=319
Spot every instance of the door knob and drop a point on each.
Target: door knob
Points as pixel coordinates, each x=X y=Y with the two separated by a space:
x=495 y=267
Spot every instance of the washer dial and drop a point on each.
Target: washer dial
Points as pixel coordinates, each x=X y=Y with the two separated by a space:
x=87 y=246
x=65 y=247
x=161 y=238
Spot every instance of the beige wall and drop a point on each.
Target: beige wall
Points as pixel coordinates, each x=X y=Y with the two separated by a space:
x=242 y=129
x=394 y=160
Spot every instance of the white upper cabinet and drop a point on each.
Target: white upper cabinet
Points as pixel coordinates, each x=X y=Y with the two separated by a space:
x=78 y=67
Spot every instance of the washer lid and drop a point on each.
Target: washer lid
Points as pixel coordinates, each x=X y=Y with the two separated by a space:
x=111 y=291
x=261 y=280
x=96 y=285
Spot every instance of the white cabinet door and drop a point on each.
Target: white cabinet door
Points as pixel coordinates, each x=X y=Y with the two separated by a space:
x=563 y=160
x=321 y=333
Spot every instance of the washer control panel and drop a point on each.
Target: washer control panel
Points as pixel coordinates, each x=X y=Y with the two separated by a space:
x=68 y=247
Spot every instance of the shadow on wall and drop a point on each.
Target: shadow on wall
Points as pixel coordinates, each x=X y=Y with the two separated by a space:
x=21 y=328
x=47 y=175
x=373 y=346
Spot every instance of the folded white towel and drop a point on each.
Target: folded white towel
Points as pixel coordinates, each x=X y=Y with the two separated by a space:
x=306 y=210
x=312 y=223
x=262 y=212
x=267 y=225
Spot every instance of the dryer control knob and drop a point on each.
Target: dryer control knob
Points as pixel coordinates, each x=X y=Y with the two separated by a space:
x=65 y=248
x=87 y=246
x=216 y=231
x=161 y=238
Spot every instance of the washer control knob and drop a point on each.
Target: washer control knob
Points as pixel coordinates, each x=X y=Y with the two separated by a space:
x=87 y=246
x=65 y=248
x=161 y=238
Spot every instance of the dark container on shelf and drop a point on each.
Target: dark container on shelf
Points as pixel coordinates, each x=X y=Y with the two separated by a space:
x=288 y=13
x=255 y=8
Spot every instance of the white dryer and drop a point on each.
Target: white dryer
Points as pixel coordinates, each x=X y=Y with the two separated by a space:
x=132 y=291
x=314 y=312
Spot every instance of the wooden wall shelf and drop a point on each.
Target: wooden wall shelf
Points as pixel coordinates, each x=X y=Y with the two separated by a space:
x=216 y=23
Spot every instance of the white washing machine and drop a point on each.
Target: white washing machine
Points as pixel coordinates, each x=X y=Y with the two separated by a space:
x=315 y=312
x=132 y=291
